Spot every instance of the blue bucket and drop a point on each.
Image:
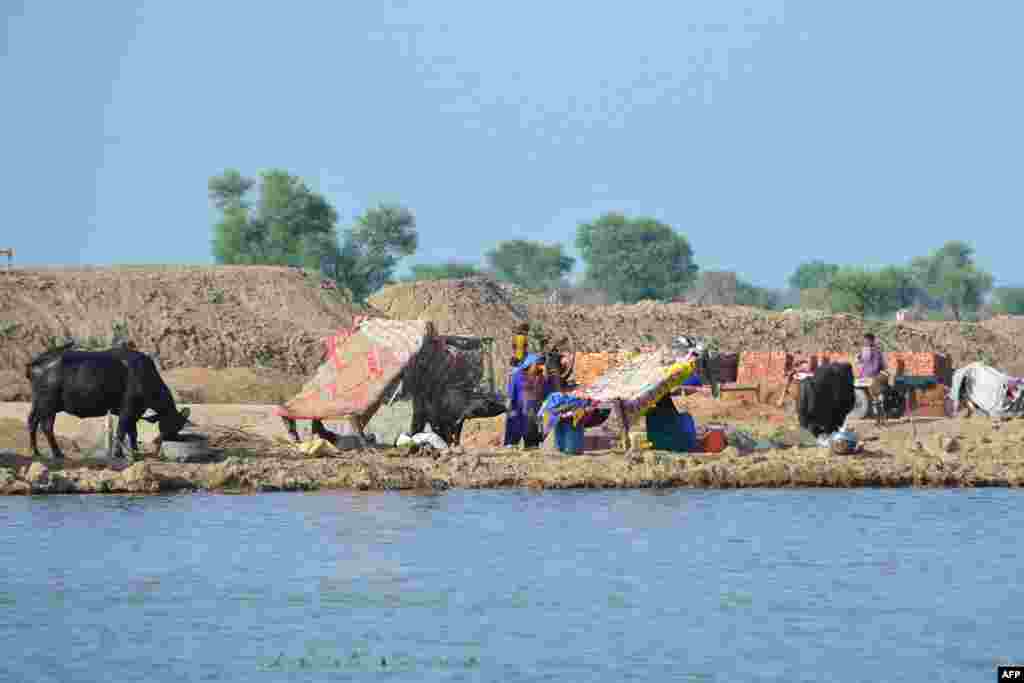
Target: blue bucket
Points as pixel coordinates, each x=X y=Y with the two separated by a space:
x=568 y=439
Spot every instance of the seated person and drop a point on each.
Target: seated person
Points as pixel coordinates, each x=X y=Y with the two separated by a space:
x=670 y=430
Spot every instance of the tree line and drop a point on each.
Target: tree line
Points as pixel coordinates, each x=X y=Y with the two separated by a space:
x=276 y=219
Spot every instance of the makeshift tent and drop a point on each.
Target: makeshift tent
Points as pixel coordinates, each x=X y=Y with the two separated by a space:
x=640 y=382
x=360 y=365
x=992 y=392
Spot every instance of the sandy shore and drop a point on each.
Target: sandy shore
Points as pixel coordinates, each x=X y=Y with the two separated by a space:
x=252 y=456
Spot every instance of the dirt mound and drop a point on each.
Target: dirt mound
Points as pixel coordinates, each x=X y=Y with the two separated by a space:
x=741 y=328
x=473 y=306
x=14 y=386
x=193 y=316
x=272 y=320
x=478 y=306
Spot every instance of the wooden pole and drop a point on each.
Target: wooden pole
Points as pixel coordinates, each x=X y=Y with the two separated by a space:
x=489 y=361
x=110 y=434
x=620 y=411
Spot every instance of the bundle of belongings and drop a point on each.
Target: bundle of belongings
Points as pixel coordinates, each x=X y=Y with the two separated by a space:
x=568 y=416
x=826 y=400
x=991 y=392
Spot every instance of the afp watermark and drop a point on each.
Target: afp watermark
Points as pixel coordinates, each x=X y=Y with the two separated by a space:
x=1010 y=673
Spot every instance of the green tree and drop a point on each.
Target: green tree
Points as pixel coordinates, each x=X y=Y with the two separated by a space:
x=899 y=288
x=285 y=220
x=1008 y=300
x=530 y=265
x=289 y=224
x=635 y=258
x=857 y=290
x=442 y=271
x=816 y=298
x=748 y=294
x=950 y=275
x=813 y=275
x=371 y=249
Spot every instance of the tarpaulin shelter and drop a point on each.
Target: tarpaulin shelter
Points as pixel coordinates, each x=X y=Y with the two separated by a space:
x=991 y=391
x=637 y=385
x=640 y=382
x=360 y=365
x=366 y=365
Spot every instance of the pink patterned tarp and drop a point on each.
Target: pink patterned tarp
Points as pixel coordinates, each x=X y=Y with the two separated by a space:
x=360 y=365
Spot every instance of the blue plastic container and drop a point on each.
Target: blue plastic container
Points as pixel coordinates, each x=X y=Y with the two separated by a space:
x=568 y=439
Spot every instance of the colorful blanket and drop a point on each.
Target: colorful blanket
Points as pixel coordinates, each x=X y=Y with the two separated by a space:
x=558 y=406
x=360 y=365
x=640 y=382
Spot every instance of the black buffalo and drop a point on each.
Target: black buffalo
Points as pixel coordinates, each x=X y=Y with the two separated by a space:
x=444 y=384
x=448 y=408
x=826 y=398
x=93 y=383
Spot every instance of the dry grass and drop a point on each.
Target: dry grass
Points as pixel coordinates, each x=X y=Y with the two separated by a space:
x=232 y=385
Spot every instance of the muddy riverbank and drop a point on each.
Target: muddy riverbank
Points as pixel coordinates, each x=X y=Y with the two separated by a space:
x=249 y=455
x=980 y=457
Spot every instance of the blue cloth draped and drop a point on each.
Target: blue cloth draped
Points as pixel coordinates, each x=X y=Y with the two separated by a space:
x=556 y=404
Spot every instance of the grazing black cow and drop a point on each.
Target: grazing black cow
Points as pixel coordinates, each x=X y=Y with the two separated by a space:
x=92 y=384
x=826 y=398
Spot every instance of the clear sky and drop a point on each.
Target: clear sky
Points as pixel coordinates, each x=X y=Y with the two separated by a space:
x=767 y=132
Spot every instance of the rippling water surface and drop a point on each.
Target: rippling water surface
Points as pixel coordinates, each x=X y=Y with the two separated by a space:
x=509 y=585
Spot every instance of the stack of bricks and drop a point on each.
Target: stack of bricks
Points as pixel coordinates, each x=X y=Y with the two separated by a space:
x=813 y=360
x=920 y=364
x=772 y=367
x=764 y=367
x=590 y=366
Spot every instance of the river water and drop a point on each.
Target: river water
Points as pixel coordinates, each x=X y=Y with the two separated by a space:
x=793 y=585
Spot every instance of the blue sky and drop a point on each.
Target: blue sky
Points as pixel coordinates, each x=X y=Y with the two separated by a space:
x=767 y=132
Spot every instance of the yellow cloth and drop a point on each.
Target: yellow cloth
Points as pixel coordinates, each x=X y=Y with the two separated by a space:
x=682 y=371
x=314 y=446
x=577 y=416
x=519 y=343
